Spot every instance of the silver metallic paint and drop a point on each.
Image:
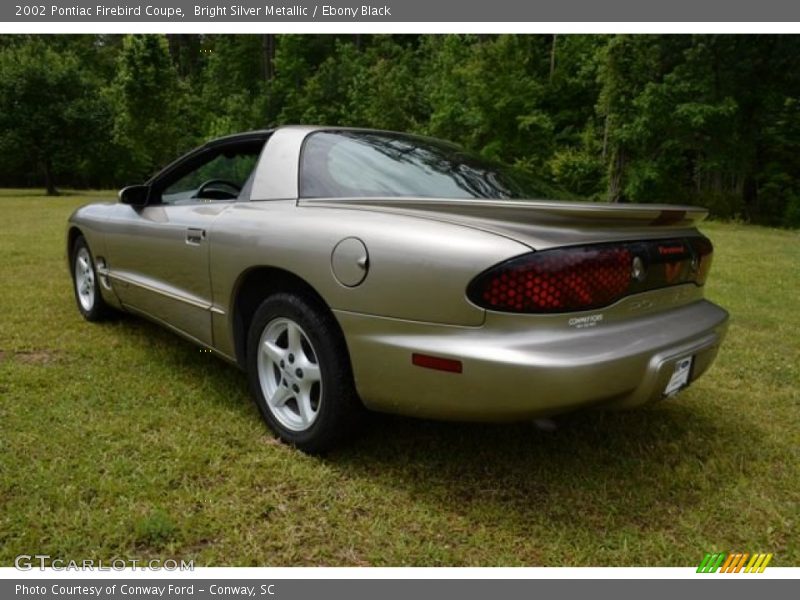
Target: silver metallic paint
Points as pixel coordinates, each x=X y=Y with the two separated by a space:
x=422 y=254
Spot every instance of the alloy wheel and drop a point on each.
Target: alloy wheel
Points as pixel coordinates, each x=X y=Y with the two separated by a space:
x=289 y=374
x=84 y=279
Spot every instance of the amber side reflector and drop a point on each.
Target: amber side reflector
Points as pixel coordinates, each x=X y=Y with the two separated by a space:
x=436 y=362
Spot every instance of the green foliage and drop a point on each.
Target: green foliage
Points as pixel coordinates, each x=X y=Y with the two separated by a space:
x=577 y=170
x=47 y=100
x=149 y=115
x=487 y=95
x=791 y=215
x=385 y=92
x=232 y=90
x=704 y=119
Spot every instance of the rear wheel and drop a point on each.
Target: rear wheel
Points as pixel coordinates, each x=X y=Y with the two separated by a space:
x=85 y=283
x=299 y=373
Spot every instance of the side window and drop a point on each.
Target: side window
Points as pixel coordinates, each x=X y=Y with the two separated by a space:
x=218 y=176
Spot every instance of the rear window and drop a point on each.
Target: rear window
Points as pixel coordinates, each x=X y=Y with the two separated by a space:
x=347 y=164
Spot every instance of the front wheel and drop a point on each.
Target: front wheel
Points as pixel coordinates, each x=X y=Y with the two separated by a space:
x=299 y=373
x=85 y=283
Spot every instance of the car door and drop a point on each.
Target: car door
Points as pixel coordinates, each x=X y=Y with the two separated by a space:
x=158 y=255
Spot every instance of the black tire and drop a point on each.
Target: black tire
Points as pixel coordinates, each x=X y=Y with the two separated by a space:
x=338 y=408
x=97 y=310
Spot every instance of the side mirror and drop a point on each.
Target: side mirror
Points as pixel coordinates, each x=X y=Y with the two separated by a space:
x=135 y=195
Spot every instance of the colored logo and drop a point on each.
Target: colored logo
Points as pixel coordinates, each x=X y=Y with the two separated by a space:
x=734 y=563
x=672 y=270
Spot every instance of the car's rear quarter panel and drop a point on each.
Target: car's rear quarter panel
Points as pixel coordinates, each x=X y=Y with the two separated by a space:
x=414 y=300
x=418 y=269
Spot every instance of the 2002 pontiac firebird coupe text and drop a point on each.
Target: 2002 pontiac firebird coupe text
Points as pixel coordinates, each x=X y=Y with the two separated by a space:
x=347 y=268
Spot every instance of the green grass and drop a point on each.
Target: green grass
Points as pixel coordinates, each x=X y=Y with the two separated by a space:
x=122 y=440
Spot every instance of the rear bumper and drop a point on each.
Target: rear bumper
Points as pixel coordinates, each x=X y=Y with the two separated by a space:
x=511 y=372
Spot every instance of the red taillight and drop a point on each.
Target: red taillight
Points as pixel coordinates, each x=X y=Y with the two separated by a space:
x=561 y=280
x=589 y=277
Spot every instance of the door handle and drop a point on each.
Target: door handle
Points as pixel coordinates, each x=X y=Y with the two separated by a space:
x=195 y=235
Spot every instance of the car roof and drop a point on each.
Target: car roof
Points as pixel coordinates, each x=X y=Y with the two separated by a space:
x=263 y=134
x=244 y=136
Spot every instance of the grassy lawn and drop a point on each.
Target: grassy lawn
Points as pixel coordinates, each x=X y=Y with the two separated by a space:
x=122 y=440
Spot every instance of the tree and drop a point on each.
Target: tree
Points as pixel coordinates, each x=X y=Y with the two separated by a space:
x=152 y=119
x=712 y=120
x=705 y=119
x=46 y=101
x=234 y=94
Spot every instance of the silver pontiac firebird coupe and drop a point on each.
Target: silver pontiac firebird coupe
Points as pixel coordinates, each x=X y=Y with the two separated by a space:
x=351 y=268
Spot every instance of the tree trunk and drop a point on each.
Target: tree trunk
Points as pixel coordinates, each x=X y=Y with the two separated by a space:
x=184 y=51
x=750 y=198
x=49 y=180
x=268 y=62
x=553 y=57
x=615 y=176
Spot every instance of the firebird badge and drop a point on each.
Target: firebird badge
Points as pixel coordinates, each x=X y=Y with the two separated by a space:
x=671 y=271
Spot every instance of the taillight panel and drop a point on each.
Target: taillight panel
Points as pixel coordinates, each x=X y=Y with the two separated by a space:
x=587 y=277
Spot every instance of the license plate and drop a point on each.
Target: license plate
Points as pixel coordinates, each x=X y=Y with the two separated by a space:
x=680 y=376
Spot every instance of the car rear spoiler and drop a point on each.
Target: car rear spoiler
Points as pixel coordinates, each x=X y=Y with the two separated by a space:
x=540 y=212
